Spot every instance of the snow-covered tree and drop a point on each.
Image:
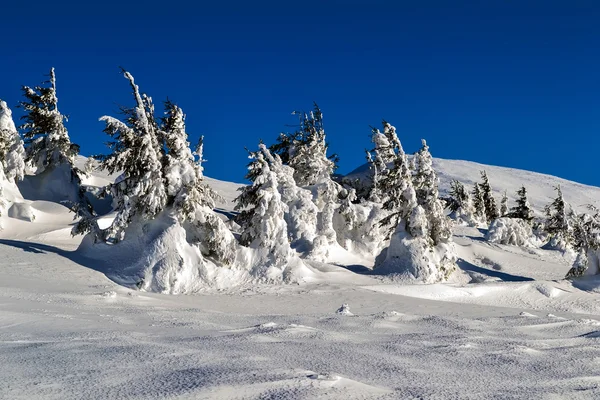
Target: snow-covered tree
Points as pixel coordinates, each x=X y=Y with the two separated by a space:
x=183 y=174
x=522 y=210
x=137 y=153
x=586 y=241
x=426 y=187
x=491 y=210
x=382 y=154
x=262 y=216
x=420 y=247
x=46 y=138
x=12 y=153
x=399 y=197
x=461 y=206
x=504 y=204
x=190 y=197
x=478 y=203
x=558 y=224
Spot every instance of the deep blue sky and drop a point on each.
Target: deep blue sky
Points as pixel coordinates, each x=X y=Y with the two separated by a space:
x=511 y=83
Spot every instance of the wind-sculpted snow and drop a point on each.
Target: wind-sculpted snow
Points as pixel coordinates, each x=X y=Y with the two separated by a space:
x=507 y=326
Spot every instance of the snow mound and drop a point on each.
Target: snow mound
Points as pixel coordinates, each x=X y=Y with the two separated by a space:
x=413 y=260
x=510 y=231
x=22 y=211
x=54 y=184
x=157 y=257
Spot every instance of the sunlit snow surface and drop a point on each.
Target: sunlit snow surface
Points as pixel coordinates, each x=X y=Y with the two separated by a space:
x=507 y=327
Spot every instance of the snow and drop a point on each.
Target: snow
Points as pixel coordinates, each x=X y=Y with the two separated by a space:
x=506 y=326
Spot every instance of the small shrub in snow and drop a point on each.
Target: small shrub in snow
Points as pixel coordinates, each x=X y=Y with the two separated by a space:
x=510 y=231
x=344 y=310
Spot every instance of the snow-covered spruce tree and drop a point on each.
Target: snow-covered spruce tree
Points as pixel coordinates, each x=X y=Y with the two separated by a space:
x=139 y=193
x=426 y=187
x=302 y=214
x=46 y=138
x=313 y=170
x=478 y=203
x=382 y=154
x=12 y=152
x=491 y=210
x=397 y=188
x=504 y=204
x=420 y=247
x=51 y=155
x=522 y=210
x=558 y=224
x=191 y=199
x=262 y=216
x=461 y=206
x=586 y=241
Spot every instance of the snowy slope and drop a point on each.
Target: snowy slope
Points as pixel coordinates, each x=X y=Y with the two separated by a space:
x=507 y=327
x=540 y=187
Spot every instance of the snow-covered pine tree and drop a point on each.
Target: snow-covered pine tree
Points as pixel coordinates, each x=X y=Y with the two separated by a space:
x=426 y=188
x=421 y=245
x=522 y=210
x=190 y=197
x=461 y=206
x=12 y=152
x=136 y=152
x=504 y=204
x=46 y=138
x=586 y=241
x=309 y=158
x=382 y=154
x=289 y=144
x=479 y=203
x=491 y=210
x=558 y=224
x=397 y=188
x=262 y=212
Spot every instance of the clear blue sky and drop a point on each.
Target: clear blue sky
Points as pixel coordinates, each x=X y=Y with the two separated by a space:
x=511 y=83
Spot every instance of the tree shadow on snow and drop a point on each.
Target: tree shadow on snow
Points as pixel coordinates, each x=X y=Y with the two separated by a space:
x=39 y=248
x=469 y=267
x=357 y=269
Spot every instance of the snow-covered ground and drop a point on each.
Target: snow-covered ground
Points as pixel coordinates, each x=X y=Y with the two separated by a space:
x=508 y=326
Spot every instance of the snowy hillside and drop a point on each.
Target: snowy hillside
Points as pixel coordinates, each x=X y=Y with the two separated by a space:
x=540 y=187
x=506 y=326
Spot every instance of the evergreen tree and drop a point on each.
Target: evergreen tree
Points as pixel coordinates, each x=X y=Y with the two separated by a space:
x=136 y=152
x=262 y=216
x=491 y=210
x=478 y=203
x=558 y=224
x=460 y=204
x=397 y=187
x=426 y=187
x=183 y=174
x=46 y=138
x=309 y=158
x=289 y=144
x=504 y=205
x=12 y=153
x=522 y=210
x=382 y=154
